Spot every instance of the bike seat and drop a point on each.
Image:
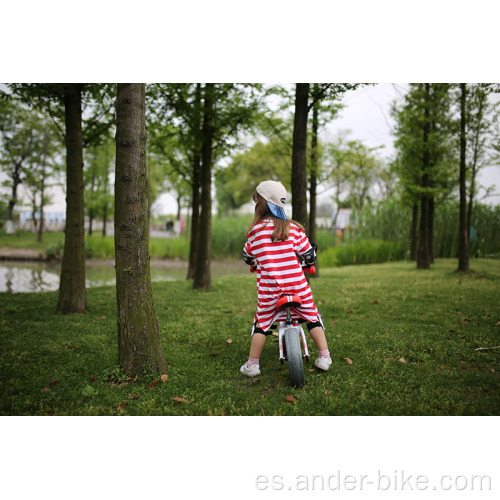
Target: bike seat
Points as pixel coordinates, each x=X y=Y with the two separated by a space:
x=288 y=301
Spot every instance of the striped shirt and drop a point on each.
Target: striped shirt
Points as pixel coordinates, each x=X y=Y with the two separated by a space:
x=278 y=272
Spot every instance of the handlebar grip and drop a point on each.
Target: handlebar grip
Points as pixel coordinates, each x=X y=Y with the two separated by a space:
x=310 y=270
x=253 y=269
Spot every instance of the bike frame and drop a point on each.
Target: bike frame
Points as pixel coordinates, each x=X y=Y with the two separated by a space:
x=284 y=325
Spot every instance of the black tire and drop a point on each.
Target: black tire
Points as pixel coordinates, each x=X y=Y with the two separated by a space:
x=294 y=357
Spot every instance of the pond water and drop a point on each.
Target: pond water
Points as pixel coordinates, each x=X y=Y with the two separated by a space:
x=43 y=277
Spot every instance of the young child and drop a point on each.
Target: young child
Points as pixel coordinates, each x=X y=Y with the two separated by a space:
x=271 y=248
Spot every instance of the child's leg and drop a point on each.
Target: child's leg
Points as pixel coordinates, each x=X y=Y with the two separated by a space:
x=318 y=335
x=251 y=367
x=324 y=359
x=258 y=341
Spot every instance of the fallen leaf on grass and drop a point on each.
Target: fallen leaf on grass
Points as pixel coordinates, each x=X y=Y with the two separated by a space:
x=164 y=378
x=154 y=383
x=334 y=322
x=94 y=378
x=403 y=360
x=350 y=311
x=493 y=370
x=312 y=370
x=326 y=393
x=76 y=347
x=45 y=389
x=55 y=383
x=391 y=358
x=122 y=405
x=133 y=396
x=229 y=341
x=180 y=400
x=375 y=302
x=348 y=360
x=290 y=399
x=320 y=302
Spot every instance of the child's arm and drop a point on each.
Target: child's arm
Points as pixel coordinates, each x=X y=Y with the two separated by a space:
x=249 y=259
x=309 y=255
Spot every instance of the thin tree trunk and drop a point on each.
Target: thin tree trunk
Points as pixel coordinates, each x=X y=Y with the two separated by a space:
x=313 y=177
x=105 y=204
x=72 y=295
x=314 y=171
x=42 y=206
x=463 y=240
x=423 y=258
x=139 y=346
x=431 y=230
x=195 y=193
x=473 y=174
x=202 y=277
x=413 y=233
x=299 y=155
x=16 y=180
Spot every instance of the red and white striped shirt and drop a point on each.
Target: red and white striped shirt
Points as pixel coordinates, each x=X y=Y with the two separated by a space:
x=278 y=272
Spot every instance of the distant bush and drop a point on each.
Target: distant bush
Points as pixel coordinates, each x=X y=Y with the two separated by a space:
x=363 y=252
x=390 y=220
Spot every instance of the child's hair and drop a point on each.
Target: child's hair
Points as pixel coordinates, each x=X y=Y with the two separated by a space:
x=262 y=212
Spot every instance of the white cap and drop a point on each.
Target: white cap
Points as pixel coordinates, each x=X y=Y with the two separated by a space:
x=275 y=194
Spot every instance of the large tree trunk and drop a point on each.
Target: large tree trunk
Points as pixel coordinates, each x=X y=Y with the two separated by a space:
x=72 y=296
x=413 y=233
x=139 y=346
x=299 y=155
x=195 y=193
x=423 y=257
x=202 y=277
x=463 y=239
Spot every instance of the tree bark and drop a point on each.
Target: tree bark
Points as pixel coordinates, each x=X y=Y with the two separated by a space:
x=72 y=294
x=299 y=155
x=195 y=193
x=202 y=278
x=139 y=346
x=413 y=233
x=463 y=238
x=423 y=257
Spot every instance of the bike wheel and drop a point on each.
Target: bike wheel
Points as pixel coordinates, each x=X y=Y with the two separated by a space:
x=294 y=357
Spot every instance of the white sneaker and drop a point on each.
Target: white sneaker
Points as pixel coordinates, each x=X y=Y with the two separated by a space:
x=251 y=371
x=323 y=363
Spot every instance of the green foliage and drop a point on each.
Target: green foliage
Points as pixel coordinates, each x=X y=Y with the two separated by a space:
x=412 y=337
x=390 y=220
x=363 y=252
x=236 y=182
x=434 y=157
x=229 y=236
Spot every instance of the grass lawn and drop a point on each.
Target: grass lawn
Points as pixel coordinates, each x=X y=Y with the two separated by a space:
x=411 y=337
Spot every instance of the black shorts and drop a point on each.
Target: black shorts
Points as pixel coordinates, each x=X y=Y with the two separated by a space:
x=310 y=326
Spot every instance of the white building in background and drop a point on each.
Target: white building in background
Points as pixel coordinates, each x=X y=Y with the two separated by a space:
x=344 y=218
